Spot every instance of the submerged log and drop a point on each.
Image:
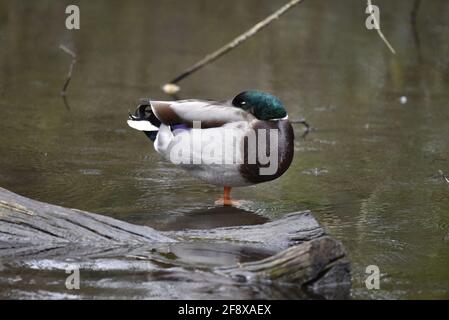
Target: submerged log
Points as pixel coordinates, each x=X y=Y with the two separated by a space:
x=291 y=254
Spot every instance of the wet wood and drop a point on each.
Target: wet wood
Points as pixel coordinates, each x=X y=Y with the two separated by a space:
x=294 y=250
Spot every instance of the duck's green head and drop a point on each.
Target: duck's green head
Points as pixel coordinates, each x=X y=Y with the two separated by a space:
x=262 y=105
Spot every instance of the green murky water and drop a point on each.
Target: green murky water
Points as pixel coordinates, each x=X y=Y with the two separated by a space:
x=369 y=171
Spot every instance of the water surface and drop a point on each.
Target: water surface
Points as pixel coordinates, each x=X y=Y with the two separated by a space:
x=369 y=172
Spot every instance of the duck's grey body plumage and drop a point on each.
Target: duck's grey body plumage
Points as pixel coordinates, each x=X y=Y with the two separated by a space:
x=173 y=124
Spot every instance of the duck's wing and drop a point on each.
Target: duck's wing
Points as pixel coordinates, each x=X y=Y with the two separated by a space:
x=209 y=113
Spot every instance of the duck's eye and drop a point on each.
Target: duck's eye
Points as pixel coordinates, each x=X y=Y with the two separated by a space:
x=243 y=102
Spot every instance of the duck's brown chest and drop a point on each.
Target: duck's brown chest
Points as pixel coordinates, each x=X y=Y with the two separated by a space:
x=268 y=151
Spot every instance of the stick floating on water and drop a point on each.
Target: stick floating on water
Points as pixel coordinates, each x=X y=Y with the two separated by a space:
x=72 y=64
x=381 y=35
x=172 y=87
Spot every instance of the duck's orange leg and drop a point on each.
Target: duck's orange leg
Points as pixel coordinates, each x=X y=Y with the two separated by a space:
x=226 y=200
x=227 y=196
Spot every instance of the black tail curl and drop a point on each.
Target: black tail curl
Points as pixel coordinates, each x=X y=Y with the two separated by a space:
x=144 y=112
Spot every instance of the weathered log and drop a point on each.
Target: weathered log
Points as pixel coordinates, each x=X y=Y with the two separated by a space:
x=291 y=257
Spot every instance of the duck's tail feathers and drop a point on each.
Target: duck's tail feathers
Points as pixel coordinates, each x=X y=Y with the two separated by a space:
x=145 y=120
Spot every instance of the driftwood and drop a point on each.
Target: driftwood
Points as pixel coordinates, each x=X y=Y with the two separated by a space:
x=292 y=257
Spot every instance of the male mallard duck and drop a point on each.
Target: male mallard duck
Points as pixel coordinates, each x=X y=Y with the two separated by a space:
x=242 y=142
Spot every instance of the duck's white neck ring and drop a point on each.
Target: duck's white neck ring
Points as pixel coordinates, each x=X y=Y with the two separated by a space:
x=284 y=118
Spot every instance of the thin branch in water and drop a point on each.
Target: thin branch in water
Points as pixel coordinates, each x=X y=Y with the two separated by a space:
x=172 y=88
x=302 y=121
x=376 y=23
x=306 y=125
x=445 y=178
x=69 y=74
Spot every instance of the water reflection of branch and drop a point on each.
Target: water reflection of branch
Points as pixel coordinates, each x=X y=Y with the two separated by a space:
x=413 y=22
x=66 y=102
x=171 y=87
x=376 y=23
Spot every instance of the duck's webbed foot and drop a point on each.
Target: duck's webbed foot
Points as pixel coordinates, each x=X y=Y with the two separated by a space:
x=226 y=200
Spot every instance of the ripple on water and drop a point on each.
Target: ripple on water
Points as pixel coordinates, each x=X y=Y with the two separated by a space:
x=90 y=172
x=315 y=171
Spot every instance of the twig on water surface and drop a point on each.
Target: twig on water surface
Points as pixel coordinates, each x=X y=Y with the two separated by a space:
x=376 y=23
x=306 y=125
x=72 y=64
x=172 y=86
x=302 y=121
x=445 y=178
